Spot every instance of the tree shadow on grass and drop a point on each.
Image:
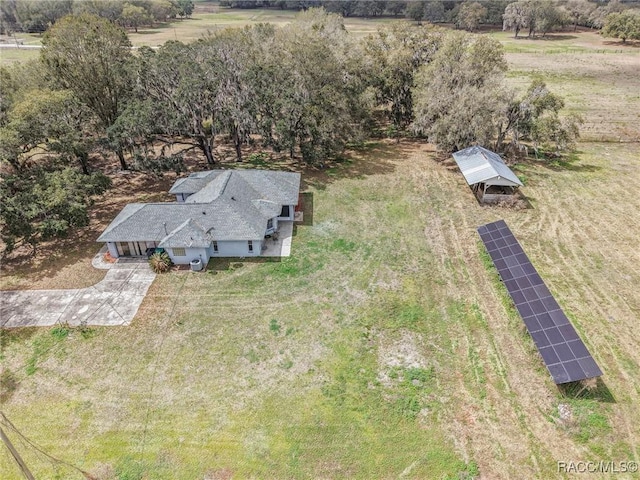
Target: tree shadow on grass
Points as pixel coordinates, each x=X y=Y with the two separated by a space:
x=570 y=162
x=372 y=158
x=553 y=37
x=306 y=206
x=154 y=29
x=628 y=43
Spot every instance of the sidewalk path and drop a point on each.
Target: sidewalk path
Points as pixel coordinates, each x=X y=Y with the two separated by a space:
x=112 y=301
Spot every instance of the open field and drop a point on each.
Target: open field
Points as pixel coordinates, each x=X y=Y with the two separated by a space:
x=597 y=78
x=205 y=19
x=384 y=347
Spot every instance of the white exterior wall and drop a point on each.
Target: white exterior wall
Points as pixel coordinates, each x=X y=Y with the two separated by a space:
x=191 y=254
x=231 y=248
x=237 y=248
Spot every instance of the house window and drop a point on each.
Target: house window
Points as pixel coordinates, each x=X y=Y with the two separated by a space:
x=215 y=246
x=270 y=224
x=179 y=252
x=250 y=243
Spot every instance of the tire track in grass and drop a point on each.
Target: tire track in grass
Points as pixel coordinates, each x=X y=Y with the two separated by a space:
x=592 y=294
x=476 y=418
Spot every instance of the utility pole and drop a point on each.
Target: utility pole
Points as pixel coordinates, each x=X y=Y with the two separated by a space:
x=23 y=466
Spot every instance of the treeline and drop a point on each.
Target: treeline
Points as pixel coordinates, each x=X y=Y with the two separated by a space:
x=307 y=90
x=533 y=16
x=465 y=14
x=36 y=16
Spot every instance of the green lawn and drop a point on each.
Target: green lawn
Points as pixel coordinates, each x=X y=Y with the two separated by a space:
x=12 y=55
x=383 y=345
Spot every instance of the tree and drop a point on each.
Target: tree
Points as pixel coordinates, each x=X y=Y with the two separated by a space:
x=163 y=10
x=415 y=11
x=434 y=12
x=495 y=9
x=517 y=16
x=109 y=9
x=185 y=8
x=17 y=80
x=579 y=11
x=373 y=8
x=181 y=82
x=536 y=118
x=42 y=204
x=235 y=97
x=598 y=15
x=470 y=15
x=38 y=15
x=459 y=95
x=396 y=8
x=624 y=25
x=8 y=17
x=346 y=8
x=317 y=106
x=548 y=16
x=134 y=16
x=394 y=55
x=46 y=121
x=96 y=69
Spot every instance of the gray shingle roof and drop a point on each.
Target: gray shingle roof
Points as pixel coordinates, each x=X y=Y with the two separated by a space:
x=229 y=205
x=189 y=234
x=479 y=165
x=194 y=182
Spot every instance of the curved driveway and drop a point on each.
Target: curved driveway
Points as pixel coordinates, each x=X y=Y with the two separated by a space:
x=112 y=301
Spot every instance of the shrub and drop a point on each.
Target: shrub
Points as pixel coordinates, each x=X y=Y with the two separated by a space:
x=160 y=262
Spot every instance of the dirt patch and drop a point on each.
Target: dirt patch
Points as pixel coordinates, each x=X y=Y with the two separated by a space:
x=399 y=350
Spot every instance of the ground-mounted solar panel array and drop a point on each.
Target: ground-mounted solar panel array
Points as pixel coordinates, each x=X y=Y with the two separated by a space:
x=562 y=350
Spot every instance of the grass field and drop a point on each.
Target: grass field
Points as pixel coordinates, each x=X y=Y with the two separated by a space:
x=205 y=19
x=385 y=347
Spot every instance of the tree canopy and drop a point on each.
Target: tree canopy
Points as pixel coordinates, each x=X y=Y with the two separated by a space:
x=97 y=69
x=458 y=99
x=624 y=25
x=308 y=89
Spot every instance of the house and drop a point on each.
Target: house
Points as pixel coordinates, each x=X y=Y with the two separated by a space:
x=487 y=175
x=225 y=213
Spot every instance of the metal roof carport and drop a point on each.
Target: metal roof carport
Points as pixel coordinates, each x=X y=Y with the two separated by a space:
x=483 y=169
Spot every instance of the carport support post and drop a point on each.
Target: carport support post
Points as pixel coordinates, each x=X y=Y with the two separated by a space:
x=484 y=191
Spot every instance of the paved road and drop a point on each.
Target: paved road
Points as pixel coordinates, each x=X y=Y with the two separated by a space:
x=113 y=301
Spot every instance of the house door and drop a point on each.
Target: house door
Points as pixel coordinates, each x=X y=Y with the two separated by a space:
x=285 y=211
x=126 y=251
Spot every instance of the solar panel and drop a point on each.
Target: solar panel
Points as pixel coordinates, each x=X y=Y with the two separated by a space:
x=562 y=350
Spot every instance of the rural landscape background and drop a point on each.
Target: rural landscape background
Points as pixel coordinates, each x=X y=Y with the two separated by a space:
x=385 y=346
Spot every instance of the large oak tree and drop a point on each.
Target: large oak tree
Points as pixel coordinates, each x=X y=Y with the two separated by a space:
x=91 y=57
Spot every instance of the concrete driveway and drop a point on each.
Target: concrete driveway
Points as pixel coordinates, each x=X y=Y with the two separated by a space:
x=112 y=301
